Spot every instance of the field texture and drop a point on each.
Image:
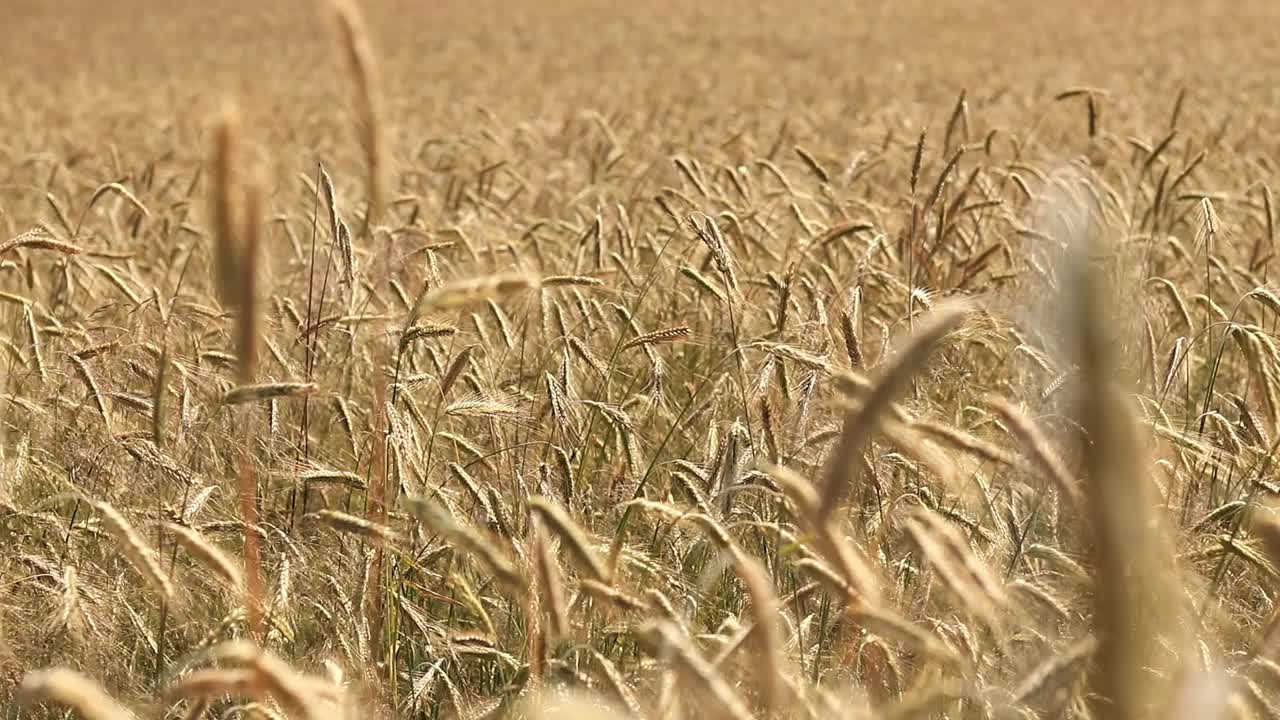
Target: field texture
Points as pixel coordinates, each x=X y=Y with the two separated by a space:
x=679 y=360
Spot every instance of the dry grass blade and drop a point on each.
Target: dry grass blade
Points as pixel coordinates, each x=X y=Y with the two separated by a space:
x=705 y=685
x=617 y=685
x=456 y=366
x=960 y=440
x=351 y=524
x=1056 y=672
x=547 y=574
x=482 y=406
x=894 y=628
x=1135 y=585
x=426 y=331
x=552 y=281
x=267 y=391
x=137 y=550
x=208 y=554
x=334 y=477
x=558 y=521
x=90 y=382
x=462 y=293
x=301 y=696
x=860 y=423
x=226 y=188
x=96 y=350
x=354 y=42
x=439 y=519
x=40 y=240
x=159 y=399
x=612 y=595
x=973 y=583
x=1037 y=446
x=657 y=336
x=103 y=190
x=214 y=683
x=765 y=607
x=68 y=687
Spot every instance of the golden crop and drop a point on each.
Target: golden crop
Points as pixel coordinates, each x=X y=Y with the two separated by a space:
x=658 y=360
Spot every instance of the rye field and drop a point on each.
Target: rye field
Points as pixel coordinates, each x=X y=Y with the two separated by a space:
x=584 y=359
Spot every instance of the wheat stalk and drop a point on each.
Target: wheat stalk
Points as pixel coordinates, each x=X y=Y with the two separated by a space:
x=139 y=553
x=70 y=688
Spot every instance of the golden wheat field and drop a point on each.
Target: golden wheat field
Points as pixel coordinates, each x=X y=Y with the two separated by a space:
x=580 y=359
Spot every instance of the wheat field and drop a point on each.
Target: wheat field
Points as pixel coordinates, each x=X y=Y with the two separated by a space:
x=578 y=359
